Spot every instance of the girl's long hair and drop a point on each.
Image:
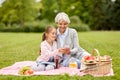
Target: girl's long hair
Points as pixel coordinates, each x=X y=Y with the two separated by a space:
x=48 y=29
x=43 y=36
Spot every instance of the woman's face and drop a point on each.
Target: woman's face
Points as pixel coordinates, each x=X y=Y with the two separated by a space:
x=62 y=25
x=52 y=35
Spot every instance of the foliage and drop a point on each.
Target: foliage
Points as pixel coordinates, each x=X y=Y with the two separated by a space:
x=112 y=14
x=97 y=14
x=13 y=11
x=77 y=24
x=39 y=26
x=15 y=47
x=80 y=27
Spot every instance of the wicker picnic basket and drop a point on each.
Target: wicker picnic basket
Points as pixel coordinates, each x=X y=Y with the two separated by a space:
x=100 y=67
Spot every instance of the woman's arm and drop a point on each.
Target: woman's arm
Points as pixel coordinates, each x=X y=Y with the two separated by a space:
x=75 y=42
x=76 y=46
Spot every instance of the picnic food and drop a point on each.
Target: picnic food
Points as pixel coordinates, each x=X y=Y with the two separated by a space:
x=73 y=63
x=107 y=57
x=101 y=66
x=26 y=70
x=104 y=58
x=89 y=59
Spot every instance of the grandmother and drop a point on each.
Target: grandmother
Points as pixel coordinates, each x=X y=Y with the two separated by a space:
x=67 y=38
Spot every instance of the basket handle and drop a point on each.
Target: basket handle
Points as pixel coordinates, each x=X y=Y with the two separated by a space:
x=95 y=50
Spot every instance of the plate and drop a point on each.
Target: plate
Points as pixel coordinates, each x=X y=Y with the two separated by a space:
x=87 y=63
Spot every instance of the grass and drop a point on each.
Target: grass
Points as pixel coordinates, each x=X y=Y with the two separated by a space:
x=16 y=47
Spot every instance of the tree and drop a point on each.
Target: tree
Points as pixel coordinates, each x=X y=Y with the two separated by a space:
x=18 y=11
x=52 y=7
x=112 y=13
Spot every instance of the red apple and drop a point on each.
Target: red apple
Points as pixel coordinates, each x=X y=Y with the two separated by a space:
x=26 y=72
x=30 y=71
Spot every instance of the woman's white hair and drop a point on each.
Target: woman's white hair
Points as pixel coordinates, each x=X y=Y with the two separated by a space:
x=62 y=16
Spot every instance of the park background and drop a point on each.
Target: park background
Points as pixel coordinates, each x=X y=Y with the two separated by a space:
x=23 y=21
x=34 y=15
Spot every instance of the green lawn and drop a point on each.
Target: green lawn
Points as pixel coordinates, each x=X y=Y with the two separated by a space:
x=16 y=47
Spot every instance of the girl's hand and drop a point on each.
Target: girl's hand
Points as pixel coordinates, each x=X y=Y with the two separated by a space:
x=62 y=50
x=67 y=49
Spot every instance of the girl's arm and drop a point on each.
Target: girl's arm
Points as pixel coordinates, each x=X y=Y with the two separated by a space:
x=46 y=50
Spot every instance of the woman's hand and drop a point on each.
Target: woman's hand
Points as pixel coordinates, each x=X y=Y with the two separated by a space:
x=67 y=50
x=64 y=50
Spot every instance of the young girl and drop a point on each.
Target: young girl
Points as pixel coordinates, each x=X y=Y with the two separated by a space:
x=48 y=50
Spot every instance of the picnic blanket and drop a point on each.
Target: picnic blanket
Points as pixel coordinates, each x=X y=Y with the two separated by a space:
x=13 y=70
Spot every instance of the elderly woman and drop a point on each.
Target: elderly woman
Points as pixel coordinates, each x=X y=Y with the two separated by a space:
x=67 y=39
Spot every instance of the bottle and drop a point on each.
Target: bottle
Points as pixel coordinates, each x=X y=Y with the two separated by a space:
x=57 y=62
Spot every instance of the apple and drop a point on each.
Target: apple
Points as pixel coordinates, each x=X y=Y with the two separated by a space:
x=30 y=71
x=26 y=72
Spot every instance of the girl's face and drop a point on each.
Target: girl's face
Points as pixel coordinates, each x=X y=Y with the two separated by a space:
x=62 y=25
x=51 y=35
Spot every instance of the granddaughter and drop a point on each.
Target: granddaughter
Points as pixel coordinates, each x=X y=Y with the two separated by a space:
x=48 y=51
